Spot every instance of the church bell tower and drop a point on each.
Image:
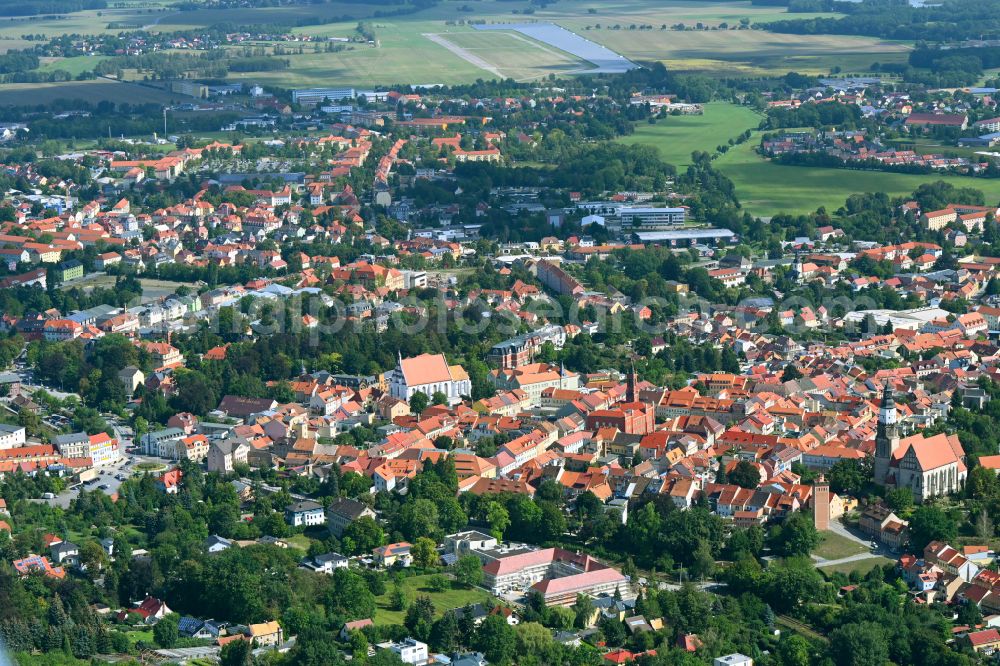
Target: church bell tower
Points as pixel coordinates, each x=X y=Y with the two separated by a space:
x=887 y=435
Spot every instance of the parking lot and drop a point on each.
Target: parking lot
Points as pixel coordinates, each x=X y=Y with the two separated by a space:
x=109 y=478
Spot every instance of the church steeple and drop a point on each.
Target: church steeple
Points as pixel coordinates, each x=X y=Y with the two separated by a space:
x=887 y=408
x=631 y=394
x=886 y=435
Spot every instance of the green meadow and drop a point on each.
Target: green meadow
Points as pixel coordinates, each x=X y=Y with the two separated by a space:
x=676 y=137
x=765 y=188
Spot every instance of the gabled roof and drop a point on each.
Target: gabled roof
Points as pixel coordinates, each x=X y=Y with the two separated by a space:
x=931 y=452
x=425 y=369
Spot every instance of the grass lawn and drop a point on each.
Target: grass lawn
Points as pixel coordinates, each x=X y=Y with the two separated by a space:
x=516 y=56
x=47 y=659
x=834 y=547
x=861 y=566
x=300 y=541
x=765 y=188
x=443 y=601
x=144 y=635
x=393 y=60
x=678 y=136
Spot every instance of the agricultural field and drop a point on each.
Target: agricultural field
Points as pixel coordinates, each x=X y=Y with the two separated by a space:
x=452 y=52
x=90 y=22
x=712 y=51
x=167 y=19
x=750 y=52
x=8 y=43
x=721 y=49
x=29 y=94
x=177 y=20
x=677 y=137
x=74 y=66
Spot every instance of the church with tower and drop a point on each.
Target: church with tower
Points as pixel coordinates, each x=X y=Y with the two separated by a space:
x=927 y=466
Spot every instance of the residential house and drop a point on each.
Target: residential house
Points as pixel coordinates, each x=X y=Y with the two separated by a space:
x=305 y=514
x=393 y=554
x=343 y=512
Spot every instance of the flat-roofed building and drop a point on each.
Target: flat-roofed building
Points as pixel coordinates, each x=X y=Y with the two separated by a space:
x=313 y=96
x=652 y=218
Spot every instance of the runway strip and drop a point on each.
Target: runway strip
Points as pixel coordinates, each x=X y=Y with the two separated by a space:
x=464 y=54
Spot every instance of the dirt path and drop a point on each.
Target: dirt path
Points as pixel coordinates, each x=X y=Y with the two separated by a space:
x=464 y=54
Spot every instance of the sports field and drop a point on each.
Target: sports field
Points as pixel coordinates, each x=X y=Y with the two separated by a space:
x=677 y=137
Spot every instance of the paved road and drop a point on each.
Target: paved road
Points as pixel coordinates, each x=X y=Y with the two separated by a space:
x=709 y=585
x=838 y=527
x=820 y=562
